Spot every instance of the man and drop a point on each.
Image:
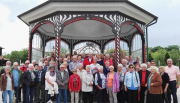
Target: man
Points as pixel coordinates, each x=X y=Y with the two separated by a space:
x=63 y=56
x=42 y=61
x=148 y=65
x=60 y=61
x=40 y=87
x=153 y=63
x=48 y=58
x=46 y=65
x=83 y=56
x=143 y=75
x=80 y=71
x=62 y=78
x=53 y=64
x=102 y=56
x=25 y=68
x=88 y=60
x=29 y=79
x=17 y=82
x=127 y=58
x=131 y=61
x=8 y=63
x=124 y=63
x=173 y=72
x=65 y=60
x=34 y=62
x=73 y=64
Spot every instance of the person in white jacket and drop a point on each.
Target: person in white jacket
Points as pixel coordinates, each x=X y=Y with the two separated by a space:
x=87 y=85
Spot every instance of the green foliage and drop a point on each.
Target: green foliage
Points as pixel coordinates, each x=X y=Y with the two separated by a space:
x=156 y=49
x=174 y=54
x=160 y=56
x=172 y=47
x=150 y=57
x=167 y=56
x=110 y=51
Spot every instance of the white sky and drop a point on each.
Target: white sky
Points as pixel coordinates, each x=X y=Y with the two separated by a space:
x=14 y=33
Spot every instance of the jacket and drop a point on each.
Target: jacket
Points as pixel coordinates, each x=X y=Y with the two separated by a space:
x=20 y=74
x=42 y=77
x=26 y=79
x=157 y=84
x=110 y=62
x=23 y=69
x=86 y=61
x=128 y=79
x=106 y=71
x=140 y=75
x=61 y=80
x=4 y=81
x=86 y=80
x=53 y=90
x=115 y=82
x=71 y=83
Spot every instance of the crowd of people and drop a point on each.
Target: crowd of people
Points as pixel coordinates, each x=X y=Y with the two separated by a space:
x=82 y=78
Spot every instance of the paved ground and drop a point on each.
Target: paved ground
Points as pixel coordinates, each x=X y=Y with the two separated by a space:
x=178 y=95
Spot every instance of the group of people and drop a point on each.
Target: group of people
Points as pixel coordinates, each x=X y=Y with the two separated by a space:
x=80 y=78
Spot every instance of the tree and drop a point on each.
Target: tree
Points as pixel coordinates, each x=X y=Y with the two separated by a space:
x=167 y=56
x=150 y=57
x=156 y=49
x=171 y=47
x=160 y=56
x=174 y=55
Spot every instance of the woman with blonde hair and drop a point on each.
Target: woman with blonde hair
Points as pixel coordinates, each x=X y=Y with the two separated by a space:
x=165 y=84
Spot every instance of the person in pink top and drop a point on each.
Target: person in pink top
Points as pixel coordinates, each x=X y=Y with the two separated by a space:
x=107 y=58
x=173 y=72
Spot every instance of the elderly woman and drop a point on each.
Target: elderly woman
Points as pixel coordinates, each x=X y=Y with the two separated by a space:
x=79 y=59
x=132 y=84
x=87 y=85
x=74 y=86
x=165 y=85
x=100 y=82
x=7 y=85
x=99 y=60
x=143 y=75
x=29 y=78
x=112 y=85
x=50 y=80
x=154 y=84
x=94 y=66
x=106 y=69
x=107 y=58
x=120 y=94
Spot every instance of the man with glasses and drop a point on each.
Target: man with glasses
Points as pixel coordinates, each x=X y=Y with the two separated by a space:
x=8 y=63
x=73 y=65
x=17 y=82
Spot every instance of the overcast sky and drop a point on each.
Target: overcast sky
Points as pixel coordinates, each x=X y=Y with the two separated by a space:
x=14 y=33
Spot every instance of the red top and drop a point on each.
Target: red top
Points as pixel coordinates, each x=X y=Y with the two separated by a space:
x=86 y=61
x=23 y=69
x=143 y=81
x=110 y=62
x=71 y=83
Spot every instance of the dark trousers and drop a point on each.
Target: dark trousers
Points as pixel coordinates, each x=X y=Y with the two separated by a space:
x=24 y=93
x=29 y=93
x=165 y=97
x=172 y=87
x=102 y=96
x=142 y=94
x=19 y=97
x=121 y=96
x=87 y=96
x=40 y=89
x=132 y=96
x=16 y=93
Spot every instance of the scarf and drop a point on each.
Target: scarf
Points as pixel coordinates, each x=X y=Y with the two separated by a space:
x=75 y=79
x=32 y=75
x=52 y=74
x=88 y=72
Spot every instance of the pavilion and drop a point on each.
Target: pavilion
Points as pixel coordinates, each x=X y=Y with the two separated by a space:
x=97 y=21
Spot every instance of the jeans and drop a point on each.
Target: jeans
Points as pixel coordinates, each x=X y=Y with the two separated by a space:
x=29 y=92
x=16 y=93
x=172 y=87
x=64 y=95
x=10 y=93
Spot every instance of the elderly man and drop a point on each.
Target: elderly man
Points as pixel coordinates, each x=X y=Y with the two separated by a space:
x=40 y=87
x=29 y=79
x=60 y=61
x=88 y=60
x=107 y=58
x=80 y=71
x=8 y=63
x=148 y=65
x=73 y=64
x=17 y=82
x=53 y=64
x=83 y=56
x=42 y=61
x=173 y=72
x=34 y=62
x=124 y=63
x=25 y=68
x=46 y=65
x=62 y=78
x=143 y=76
x=102 y=56
x=131 y=61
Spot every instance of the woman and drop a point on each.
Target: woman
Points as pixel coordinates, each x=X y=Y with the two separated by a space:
x=74 y=86
x=50 y=79
x=138 y=60
x=69 y=58
x=99 y=60
x=120 y=95
x=79 y=59
x=108 y=59
x=112 y=85
x=154 y=84
x=94 y=66
x=7 y=85
x=106 y=69
x=36 y=67
x=137 y=67
x=165 y=85
x=100 y=82
x=66 y=67
x=132 y=84
x=87 y=85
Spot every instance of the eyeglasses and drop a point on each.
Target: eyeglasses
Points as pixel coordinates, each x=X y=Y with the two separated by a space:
x=131 y=67
x=74 y=71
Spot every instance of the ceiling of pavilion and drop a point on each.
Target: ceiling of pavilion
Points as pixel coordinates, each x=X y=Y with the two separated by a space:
x=87 y=30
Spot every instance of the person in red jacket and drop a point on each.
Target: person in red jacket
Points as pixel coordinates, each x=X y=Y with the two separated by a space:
x=74 y=86
x=88 y=60
x=107 y=58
